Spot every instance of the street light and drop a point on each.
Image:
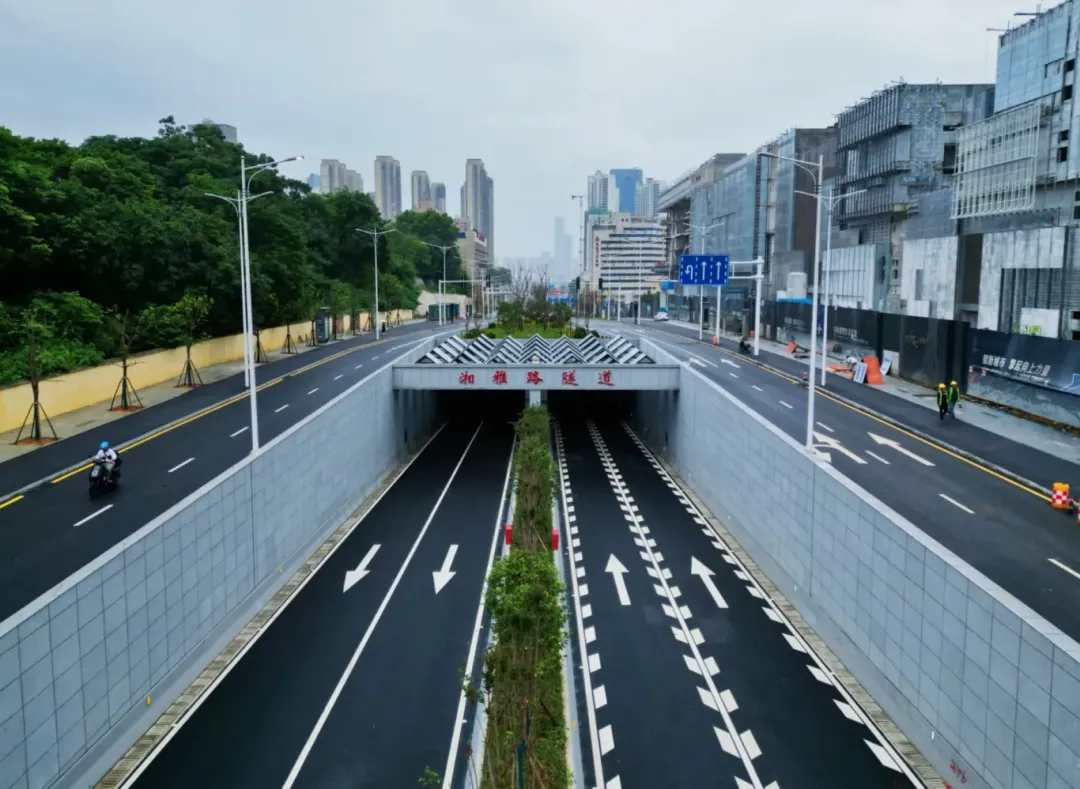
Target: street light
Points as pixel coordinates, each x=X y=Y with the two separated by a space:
x=375 y=235
x=833 y=201
x=240 y=203
x=444 y=250
x=818 y=178
x=701 y=307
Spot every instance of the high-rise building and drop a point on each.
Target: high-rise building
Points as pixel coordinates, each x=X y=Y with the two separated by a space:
x=332 y=176
x=629 y=252
x=648 y=195
x=313 y=181
x=603 y=192
x=478 y=201
x=438 y=192
x=354 y=182
x=421 y=191
x=388 y=186
x=562 y=246
x=224 y=128
x=626 y=181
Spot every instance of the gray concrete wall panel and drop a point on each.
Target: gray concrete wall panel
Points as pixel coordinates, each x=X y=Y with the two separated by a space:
x=81 y=658
x=978 y=681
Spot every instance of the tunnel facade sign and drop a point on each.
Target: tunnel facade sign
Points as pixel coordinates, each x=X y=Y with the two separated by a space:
x=564 y=377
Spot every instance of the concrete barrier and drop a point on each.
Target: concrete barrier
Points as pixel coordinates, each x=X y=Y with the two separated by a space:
x=987 y=689
x=77 y=664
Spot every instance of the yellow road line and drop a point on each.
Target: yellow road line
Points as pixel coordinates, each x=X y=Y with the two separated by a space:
x=218 y=407
x=823 y=393
x=10 y=501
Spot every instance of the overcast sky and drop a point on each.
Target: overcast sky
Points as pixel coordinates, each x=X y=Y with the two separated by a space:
x=544 y=91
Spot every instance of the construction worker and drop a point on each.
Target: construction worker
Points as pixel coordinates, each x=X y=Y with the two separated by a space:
x=954 y=398
x=942 y=400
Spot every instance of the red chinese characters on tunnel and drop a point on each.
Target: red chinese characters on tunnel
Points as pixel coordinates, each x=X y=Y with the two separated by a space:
x=604 y=378
x=466 y=378
x=533 y=377
x=498 y=377
x=569 y=378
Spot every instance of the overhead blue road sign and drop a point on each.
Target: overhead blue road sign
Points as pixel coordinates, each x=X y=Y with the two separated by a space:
x=710 y=270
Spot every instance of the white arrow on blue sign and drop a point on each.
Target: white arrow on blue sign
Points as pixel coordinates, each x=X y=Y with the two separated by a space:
x=703 y=270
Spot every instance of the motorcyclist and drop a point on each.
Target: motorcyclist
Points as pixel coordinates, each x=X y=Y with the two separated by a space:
x=108 y=456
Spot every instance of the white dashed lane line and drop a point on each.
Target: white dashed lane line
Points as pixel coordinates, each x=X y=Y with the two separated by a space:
x=1064 y=567
x=339 y=377
x=880 y=746
x=878 y=458
x=359 y=366
x=238 y=432
x=93 y=515
x=957 y=504
x=733 y=375
x=785 y=405
x=180 y=465
x=825 y=427
x=279 y=410
x=313 y=391
x=757 y=387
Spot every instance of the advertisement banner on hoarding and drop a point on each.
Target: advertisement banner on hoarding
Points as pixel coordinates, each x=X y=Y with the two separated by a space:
x=1040 y=361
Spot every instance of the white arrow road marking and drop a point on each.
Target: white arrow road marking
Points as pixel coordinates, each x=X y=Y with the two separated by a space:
x=832 y=443
x=705 y=574
x=729 y=362
x=693 y=360
x=888 y=442
x=352 y=576
x=442 y=577
x=617 y=570
x=878 y=457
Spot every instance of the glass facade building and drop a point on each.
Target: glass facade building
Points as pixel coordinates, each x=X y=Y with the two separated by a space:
x=627 y=181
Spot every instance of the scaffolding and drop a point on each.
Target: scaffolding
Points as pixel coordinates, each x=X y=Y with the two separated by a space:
x=996 y=163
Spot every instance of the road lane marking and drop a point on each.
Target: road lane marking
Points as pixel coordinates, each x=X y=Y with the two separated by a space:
x=234 y=399
x=713 y=364
x=617 y=570
x=891 y=426
x=359 y=366
x=352 y=576
x=956 y=503
x=279 y=410
x=895 y=445
x=94 y=515
x=321 y=722
x=1064 y=567
x=11 y=501
x=444 y=574
x=877 y=457
x=733 y=375
x=825 y=427
x=757 y=387
x=338 y=377
x=181 y=465
x=313 y=391
x=244 y=429
x=785 y=405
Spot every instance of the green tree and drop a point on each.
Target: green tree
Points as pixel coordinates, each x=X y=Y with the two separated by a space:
x=126 y=330
x=184 y=320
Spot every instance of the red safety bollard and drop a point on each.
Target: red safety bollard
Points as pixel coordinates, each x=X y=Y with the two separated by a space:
x=554 y=539
x=509 y=532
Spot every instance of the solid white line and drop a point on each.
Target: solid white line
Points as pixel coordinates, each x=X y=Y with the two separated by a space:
x=336 y=377
x=238 y=432
x=313 y=391
x=956 y=503
x=757 y=387
x=131 y=778
x=459 y=719
x=877 y=457
x=177 y=468
x=1054 y=562
x=91 y=517
x=581 y=616
x=279 y=410
x=295 y=772
x=785 y=405
x=825 y=427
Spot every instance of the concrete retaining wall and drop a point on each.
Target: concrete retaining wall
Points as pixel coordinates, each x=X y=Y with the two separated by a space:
x=77 y=664
x=988 y=690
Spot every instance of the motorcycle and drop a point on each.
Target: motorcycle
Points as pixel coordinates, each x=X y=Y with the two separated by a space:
x=101 y=479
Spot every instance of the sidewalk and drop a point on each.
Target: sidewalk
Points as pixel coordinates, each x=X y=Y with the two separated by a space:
x=1057 y=443
x=83 y=419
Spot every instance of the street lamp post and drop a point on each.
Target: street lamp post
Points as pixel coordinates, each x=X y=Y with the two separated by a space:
x=818 y=177
x=240 y=203
x=375 y=236
x=442 y=300
x=832 y=201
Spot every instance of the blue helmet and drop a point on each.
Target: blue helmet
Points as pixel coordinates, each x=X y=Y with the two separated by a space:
x=104 y=444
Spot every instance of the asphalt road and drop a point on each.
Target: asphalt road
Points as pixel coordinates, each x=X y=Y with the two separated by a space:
x=361 y=688
x=695 y=680
x=1018 y=458
x=54 y=529
x=1006 y=531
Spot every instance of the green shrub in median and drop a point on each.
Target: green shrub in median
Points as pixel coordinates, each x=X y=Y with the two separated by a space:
x=522 y=674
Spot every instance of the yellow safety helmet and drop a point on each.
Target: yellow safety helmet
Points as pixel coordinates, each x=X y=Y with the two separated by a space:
x=952 y=383
x=941 y=386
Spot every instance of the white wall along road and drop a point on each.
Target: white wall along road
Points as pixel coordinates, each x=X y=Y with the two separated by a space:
x=882 y=449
